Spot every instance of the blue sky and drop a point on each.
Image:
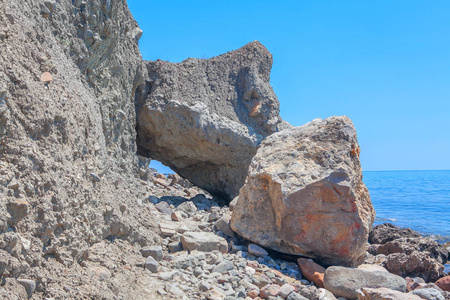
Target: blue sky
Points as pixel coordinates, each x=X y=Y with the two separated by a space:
x=385 y=64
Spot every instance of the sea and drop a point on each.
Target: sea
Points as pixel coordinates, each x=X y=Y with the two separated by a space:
x=419 y=200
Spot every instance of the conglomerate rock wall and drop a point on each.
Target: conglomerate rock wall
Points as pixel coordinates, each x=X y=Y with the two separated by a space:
x=68 y=164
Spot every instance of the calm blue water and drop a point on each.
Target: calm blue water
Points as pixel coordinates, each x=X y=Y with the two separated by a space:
x=419 y=200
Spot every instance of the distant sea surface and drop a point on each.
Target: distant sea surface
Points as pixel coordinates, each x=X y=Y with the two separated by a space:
x=419 y=200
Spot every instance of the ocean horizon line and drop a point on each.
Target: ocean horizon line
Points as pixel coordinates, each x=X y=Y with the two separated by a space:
x=405 y=170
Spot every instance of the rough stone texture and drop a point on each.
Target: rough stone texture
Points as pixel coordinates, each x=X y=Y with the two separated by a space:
x=344 y=282
x=408 y=245
x=153 y=251
x=204 y=118
x=384 y=294
x=304 y=194
x=203 y=241
x=415 y=264
x=408 y=253
x=428 y=294
x=54 y=135
x=383 y=233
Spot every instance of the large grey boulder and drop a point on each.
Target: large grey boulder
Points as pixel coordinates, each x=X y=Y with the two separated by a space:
x=204 y=118
x=304 y=194
x=344 y=282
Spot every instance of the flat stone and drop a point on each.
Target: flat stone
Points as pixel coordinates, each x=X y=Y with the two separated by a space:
x=344 y=282
x=270 y=290
x=384 y=294
x=151 y=264
x=153 y=251
x=167 y=275
x=257 y=250
x=167 y=230
x=428 y=294
x=295 y=296
x=286 y=289
x=174 y=290
x=223 y=267
x=203 y=241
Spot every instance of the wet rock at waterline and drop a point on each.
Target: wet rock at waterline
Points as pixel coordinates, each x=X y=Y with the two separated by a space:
x=304 y=194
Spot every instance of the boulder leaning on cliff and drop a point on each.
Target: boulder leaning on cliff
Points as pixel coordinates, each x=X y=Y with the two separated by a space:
x=304 y=194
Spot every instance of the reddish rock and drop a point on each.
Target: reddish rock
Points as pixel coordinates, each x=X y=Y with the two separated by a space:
x=312 y=271
x=444 y=283
x=277 y=273
x=270 y=290
x=252 y=294
x=304 y=194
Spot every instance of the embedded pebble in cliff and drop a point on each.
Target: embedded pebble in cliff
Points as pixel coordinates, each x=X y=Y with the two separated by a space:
x=304 y=194
x=216 y=112
x=30 y=286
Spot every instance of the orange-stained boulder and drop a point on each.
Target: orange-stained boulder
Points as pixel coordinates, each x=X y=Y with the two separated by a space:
x=312 y=271
x=444 y=283
x=304 y=194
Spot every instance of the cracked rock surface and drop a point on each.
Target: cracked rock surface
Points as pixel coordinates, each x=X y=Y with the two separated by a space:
x=204 y=118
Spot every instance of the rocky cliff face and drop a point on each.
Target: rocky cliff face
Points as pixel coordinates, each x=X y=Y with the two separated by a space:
x=205 y=118
x=68 y=164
